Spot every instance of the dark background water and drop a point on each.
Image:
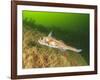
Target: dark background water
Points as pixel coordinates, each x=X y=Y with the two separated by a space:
x=72 y=28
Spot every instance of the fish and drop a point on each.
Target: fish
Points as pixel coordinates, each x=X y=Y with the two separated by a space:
x=52 y=42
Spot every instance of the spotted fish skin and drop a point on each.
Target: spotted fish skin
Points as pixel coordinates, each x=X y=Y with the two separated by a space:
x=54 y=43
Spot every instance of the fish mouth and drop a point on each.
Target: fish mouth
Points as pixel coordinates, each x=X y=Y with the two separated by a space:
x=42 y=42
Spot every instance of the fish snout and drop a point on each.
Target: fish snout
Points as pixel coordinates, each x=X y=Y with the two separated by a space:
x=40 y=40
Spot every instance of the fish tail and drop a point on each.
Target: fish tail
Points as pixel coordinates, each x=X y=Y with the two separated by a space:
x=79 y=50
x=74 y=49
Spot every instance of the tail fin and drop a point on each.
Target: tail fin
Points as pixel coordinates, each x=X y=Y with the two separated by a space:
x=74 y=49
x=79 y=50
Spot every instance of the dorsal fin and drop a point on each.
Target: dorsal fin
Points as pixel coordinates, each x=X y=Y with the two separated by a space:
x=50 y=34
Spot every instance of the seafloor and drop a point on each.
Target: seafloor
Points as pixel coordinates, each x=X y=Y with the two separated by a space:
x=38 y=56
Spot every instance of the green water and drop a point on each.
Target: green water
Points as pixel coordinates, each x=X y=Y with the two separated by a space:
x=72 y=28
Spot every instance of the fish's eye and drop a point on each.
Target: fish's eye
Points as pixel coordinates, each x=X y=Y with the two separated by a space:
x=42 y=38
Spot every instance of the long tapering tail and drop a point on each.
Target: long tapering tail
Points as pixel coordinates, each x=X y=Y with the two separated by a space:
x=74 y=49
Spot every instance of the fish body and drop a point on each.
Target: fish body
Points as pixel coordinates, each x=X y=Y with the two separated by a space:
x=54 y=43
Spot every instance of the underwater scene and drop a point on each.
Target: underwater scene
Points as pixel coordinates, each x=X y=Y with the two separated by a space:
x=55 y=39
